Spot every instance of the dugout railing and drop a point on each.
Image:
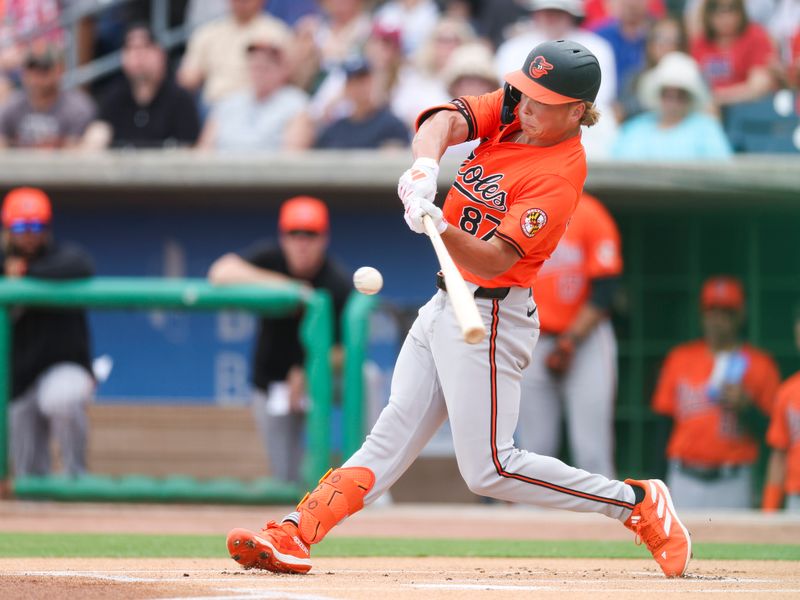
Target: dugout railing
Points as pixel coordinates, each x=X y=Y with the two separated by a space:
x=197 y=294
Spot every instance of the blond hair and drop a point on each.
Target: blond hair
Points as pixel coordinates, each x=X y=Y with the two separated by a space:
x=591 y=115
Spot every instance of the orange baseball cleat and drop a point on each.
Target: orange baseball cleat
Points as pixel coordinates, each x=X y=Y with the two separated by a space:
x=278 y=548
x=655 y=522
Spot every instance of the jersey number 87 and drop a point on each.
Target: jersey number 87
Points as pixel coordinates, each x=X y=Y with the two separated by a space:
x=471 y=219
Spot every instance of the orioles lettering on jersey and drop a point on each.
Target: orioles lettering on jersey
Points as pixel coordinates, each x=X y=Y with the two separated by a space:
x=484 y=189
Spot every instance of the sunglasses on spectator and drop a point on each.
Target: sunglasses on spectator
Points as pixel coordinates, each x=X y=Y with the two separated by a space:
x=669 y=93
x=28 y=227
x=303 y=233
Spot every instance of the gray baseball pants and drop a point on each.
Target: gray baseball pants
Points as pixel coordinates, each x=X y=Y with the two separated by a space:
x=477 y=386
x=53 y=406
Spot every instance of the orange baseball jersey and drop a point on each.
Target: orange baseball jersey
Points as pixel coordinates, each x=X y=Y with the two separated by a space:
x=703 y=432
x=523 y=194
x=590 y=248
x=784 y=430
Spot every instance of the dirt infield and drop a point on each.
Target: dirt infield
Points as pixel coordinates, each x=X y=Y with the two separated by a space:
x=386 y=578
x=390 y=579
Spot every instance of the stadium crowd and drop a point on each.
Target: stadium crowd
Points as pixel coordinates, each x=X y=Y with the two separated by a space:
x=274 y=74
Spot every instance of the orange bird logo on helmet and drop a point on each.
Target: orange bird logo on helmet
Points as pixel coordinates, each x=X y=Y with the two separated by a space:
x=539 y=67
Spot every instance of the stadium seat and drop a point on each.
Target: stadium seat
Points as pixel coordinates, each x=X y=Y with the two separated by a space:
x=771 y=125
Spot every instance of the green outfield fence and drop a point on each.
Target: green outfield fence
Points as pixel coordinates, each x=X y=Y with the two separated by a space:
x=197 y=294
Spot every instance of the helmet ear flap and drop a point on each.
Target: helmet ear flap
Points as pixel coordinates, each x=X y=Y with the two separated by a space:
x=511 y=97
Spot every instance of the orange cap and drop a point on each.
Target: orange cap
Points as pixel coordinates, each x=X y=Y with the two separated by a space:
x=26 y=204
x=303 y=213
x=722 y=292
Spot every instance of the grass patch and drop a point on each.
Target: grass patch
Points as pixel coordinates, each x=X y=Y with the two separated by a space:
x=94 y=545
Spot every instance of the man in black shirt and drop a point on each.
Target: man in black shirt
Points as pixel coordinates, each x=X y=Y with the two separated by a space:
x=51 y=381
x=279 y=398
x=145 y=109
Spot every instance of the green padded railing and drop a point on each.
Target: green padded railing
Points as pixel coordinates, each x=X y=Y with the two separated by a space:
x=355 y=333
x=184 y=294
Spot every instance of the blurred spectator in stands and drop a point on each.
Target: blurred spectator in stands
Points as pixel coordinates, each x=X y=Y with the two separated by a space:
x=627 y=34
x=675 y=126
x=758 y=11
x=793 y=71
x=469 y=72
x=291 y=11
x=556 y=20
x=338 y=34
x=384 y=54
x=216 y=53
x=735 y=55
x=325 y=43
x=599 y=12
x=51 y=379
x=719 y=393
x=263 y=117
x=42 y=114
x=145 y=108
x=6 y=87
x=280 y=399
x=370 y=124
x=23 y=22
x=415 y=19
x=420 y=83
x=200 y=12
x=783 y=436
x=498 y=21
x=665 y=36
x=783 y=26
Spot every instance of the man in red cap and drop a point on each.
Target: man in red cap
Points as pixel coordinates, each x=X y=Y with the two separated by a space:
x=51 y=380
x=715 y=390
x=279 y=396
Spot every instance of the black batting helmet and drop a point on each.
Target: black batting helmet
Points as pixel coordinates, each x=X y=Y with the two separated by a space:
x=558 y=72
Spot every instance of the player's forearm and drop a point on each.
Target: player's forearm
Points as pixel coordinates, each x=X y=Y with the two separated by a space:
x=585 y=321
x=776 y=468
x=486 y=259
x=232 y=269
x=441 y=130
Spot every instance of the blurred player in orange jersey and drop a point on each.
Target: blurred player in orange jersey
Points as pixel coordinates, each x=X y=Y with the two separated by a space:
x=573 y=372
x=714 y=389
x=783 y=474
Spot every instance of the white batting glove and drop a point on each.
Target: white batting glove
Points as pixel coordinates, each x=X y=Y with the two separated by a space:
x=419 y=181
x=416 y=208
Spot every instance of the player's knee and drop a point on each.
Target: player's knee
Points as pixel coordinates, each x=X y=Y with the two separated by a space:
x=64 y=390
x=481 y=482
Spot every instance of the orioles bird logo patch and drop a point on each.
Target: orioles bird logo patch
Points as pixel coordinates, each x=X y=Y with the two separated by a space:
x=532 y=221
x=539 y=67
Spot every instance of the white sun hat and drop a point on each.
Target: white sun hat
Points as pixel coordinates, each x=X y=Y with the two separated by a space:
x=674 y=70
x=470 y=60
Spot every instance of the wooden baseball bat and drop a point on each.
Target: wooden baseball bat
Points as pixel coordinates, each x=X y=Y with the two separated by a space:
x=461 y=298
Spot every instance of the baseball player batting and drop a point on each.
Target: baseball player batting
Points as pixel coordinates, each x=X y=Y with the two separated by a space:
x=503 y=216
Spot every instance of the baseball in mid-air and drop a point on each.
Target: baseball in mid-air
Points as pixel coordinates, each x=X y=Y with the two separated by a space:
x=368 y=280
